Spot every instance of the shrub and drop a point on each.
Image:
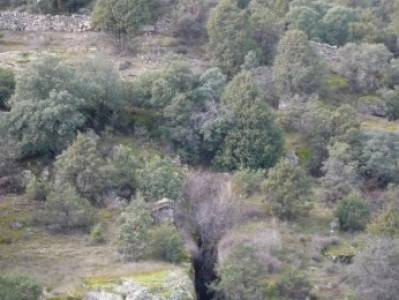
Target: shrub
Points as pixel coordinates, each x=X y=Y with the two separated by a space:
x=160 y=178
x=7 y=86
x=241 y=275
x=352 y=213
x=36 y=190
x=294 y=285
x=287 y=190
x=364 y=66
x=81 y=166
x=391 y=100
x=166 y=244
x=247 y=182
x=133 y=238
x=65 y=210
x=19 y=287
x=97 y=234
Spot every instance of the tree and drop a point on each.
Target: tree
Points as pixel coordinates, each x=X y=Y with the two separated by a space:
x=364 y=66
x=340 y=173
x=81 y=166
x=287 y=190
x=335 y=25
x=305 y=19
x=123 y=18
x=297 y=69
x=44 y=126
x=65 y=210
x=375 y=271
x=160 y=178
x=133 y=237
x=241 y=275
x=19 y=287
x=7 y=86
x=253 y=139
x=230 y=36
x=352 y=213
x=379 y=157
x=391 y=100
x=266 y=26
x=294 y=285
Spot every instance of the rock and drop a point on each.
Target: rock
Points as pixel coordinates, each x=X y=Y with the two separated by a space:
x=113 y=201
x=101 y=295
x=124 y=65
x=16 y=225
x=163 y=211
x=20 y=21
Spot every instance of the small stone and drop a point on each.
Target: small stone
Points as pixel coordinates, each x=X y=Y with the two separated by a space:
x=16 y=225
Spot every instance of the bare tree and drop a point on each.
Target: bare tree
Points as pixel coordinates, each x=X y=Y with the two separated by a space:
x=375 y=271
x=207 y=212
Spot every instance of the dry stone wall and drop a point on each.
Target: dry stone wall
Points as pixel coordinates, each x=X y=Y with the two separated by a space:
x=19 y=21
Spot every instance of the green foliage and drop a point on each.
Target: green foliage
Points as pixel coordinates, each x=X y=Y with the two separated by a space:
x=297 y=69
x=287 y=190
x=391 y=99
x=305 y=19
x=241 y=275
x=340 y=173
x=335 y=24
x=379 y=157
x=53 y=101
x=19 y=287
x=247 y=182
x=97 y=234
x=36 y=190
x=133 y=237
x=81 y=166
x=166 y=244
x=294 y=285
x=160 y=178
x=352 y=213
x=123 y=19
x=387 y=221
x=7 y=86
x=230 y=37
x=364 y=65
x=253 y=140
x=65 y=210
x=44 y=126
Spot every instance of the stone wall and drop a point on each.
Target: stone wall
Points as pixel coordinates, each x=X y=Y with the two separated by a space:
x=18 y=21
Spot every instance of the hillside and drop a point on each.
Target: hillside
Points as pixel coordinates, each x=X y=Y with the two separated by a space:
x=199 y=149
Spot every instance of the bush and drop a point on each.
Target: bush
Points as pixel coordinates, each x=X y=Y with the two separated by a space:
x=287 y=190
x=160 y=178
x=352 y=213
x=133 y=238
x=97 y=234
x=36 y=190
x=7 y=86
x=241 y=275
x=19 y=287
x=65 y=210
x=166 y=244
x=81 y=166
x=294 y=285
x=247 y=182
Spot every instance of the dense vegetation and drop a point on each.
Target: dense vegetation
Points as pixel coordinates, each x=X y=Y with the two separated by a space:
x=270 y=130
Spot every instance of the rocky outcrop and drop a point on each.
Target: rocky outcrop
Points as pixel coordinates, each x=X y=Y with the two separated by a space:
x=19 y=21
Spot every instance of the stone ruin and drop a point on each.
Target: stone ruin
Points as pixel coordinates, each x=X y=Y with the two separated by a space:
x=20 y=21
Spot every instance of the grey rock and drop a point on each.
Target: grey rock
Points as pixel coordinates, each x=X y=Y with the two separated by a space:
x=102 y=295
